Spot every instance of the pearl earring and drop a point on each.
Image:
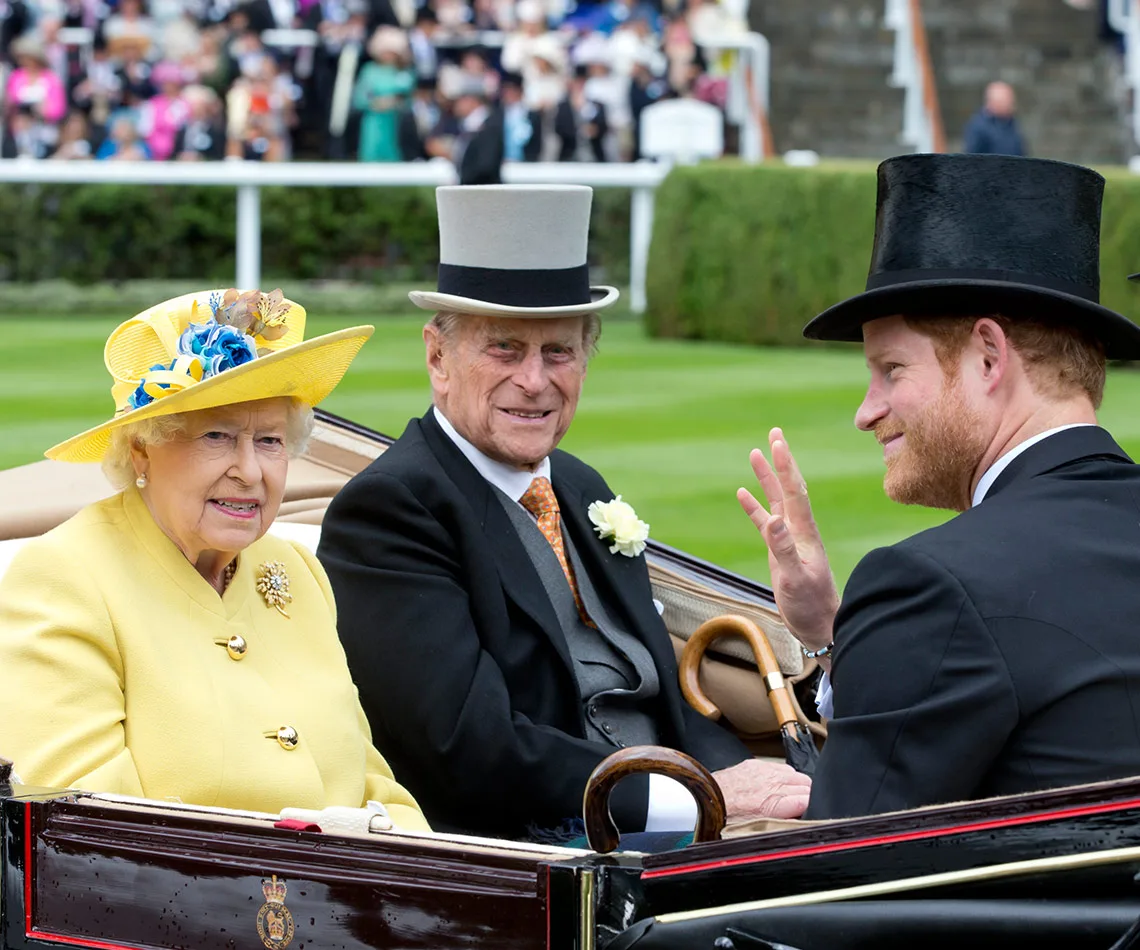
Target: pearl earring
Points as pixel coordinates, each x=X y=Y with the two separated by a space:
x=142 y=480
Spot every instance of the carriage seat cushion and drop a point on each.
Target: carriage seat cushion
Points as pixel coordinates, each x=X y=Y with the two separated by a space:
x=8 y=551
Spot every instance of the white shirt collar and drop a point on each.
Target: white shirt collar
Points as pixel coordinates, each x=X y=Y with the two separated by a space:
x=512 y=482
x=986 y=482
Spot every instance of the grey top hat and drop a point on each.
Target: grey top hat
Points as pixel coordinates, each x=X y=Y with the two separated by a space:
x=514 y=250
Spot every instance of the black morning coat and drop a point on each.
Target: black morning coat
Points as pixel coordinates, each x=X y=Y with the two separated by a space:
x=1000 y=652
x=463 y=670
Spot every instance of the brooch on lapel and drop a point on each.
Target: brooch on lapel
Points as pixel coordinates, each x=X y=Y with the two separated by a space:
x=617 y=521
x=273 y=585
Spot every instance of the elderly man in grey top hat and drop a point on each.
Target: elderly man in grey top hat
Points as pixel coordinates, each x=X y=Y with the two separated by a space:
x=501 y=647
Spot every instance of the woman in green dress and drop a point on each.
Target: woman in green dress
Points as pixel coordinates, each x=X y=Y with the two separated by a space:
x=381 y=94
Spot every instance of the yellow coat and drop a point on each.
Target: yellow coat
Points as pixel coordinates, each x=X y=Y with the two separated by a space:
x=115 y=677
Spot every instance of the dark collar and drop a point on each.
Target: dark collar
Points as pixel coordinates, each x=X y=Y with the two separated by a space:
x=1059 y=449
x=471 y=484
x=516 y=570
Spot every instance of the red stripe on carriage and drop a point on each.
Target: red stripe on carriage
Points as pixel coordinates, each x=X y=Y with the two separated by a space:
x=46 y=937
x=890 y=839
x=80 y=942
x=27 y=867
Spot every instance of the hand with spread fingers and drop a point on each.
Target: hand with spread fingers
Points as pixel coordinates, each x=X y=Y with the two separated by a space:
x=801 y=576
x=756 y=788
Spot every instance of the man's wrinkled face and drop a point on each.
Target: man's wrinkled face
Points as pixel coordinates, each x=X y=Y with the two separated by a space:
x=932 y=433
x=509 y=386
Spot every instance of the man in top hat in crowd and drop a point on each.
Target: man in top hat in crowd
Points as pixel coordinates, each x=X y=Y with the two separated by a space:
x=997 y=653
x=501 y=645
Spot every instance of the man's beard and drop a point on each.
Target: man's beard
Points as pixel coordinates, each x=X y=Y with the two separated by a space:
x=941 y=449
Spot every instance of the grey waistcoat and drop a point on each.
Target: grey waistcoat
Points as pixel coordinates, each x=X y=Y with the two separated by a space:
x=615 y=672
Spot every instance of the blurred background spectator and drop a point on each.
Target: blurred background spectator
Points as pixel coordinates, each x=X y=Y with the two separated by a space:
x=74 y=139
x=203 y=136
x=34 y=100
x=581 y=123
x=376 y=80
x=993 y=129
x=164 y=115
x=382 y=92
x=123 y=143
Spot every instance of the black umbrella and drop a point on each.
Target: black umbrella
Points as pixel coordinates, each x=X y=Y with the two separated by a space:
x=800 y=751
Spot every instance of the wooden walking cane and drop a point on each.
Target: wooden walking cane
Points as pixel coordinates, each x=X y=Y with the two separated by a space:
x=601 y=831
x=799 y=746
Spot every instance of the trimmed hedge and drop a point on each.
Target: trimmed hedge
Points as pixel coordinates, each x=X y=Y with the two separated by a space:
x=96 y=233
x=749 y=254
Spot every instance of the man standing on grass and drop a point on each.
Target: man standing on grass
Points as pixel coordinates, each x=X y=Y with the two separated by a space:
x=493 y=597
x=997 y=653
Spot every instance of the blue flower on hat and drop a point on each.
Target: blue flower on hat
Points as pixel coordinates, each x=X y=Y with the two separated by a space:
x=140 y=397
x=204 y=350
x=218 y=347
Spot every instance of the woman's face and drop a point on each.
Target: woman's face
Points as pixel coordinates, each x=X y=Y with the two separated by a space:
x=217 y=486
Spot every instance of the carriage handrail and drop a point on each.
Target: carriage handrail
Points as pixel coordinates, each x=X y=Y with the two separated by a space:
x=914 y=72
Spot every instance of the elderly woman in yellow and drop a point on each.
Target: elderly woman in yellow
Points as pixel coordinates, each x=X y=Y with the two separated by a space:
x=160 y=643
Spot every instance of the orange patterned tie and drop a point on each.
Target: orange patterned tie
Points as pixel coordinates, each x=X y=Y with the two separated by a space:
x=539 y=500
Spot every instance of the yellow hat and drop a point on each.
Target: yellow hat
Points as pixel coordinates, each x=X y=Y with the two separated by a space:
x=213 y=348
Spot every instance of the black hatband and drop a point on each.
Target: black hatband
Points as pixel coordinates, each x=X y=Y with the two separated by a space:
x=565 y=287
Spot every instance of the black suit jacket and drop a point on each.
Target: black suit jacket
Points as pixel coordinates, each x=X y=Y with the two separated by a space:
x=260 y=15
x=463 y=670
x=566 y=122
x=482 y=161
x=998 y=653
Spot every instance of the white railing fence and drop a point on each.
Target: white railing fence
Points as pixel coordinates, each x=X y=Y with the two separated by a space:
x=748 y=80
x=1124 y=17
x=248 y=178
x=908 y=75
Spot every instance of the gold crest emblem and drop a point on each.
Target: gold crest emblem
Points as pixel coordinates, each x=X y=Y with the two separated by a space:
x=273 y=585
x=274 y=921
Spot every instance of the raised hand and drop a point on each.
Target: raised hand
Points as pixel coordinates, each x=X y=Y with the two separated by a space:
x=801 y=576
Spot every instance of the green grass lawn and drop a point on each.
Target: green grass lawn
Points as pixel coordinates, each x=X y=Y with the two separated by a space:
x=668 y=423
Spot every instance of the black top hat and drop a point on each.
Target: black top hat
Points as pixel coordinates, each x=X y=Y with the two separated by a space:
x=975 y=234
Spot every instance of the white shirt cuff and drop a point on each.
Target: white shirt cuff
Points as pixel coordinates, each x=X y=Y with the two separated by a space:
x=824 y=704
x=671 y=806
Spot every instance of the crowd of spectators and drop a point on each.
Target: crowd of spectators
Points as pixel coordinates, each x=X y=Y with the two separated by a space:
x=378 y=80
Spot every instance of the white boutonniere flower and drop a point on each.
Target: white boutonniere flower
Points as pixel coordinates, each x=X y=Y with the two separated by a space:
x=617 y=521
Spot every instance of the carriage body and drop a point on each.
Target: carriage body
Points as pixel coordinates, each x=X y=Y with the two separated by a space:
x=102 y=872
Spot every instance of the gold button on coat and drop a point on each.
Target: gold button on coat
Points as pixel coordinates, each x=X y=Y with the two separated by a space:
x=236 y=646
x=287 y=737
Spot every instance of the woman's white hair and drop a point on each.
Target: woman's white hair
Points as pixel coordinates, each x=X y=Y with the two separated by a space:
x=120 y=470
